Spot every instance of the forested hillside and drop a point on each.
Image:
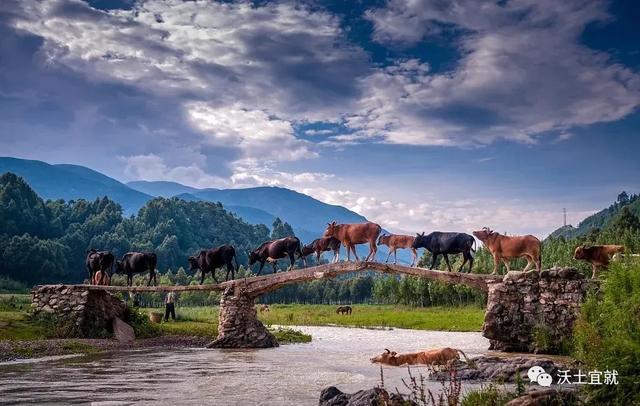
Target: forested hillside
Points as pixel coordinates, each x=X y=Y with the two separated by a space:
x=45 y=241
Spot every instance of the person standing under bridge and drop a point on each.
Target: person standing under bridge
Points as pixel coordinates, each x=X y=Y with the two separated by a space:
x=169 y=301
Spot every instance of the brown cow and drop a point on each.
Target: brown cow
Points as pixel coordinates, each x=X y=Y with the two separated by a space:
x=344 y=310
x=597 y=255
x=352 y=234
x=101 y=278
x=503 y=248
x=264 y=308
x=395 y=241
x=320 y=245
x=438 y=356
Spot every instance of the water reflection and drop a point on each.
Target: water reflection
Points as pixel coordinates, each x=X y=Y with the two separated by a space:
x=289 y=375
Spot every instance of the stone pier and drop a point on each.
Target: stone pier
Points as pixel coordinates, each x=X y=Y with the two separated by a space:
x=238 y=324
x=535 y=311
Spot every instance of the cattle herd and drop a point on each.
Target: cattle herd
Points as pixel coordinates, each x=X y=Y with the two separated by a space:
x=503 y=248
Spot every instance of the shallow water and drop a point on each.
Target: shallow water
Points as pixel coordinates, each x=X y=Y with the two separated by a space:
x=288 y=375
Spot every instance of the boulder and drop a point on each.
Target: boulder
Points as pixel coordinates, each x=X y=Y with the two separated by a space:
x=333 y=396
x=122 y=331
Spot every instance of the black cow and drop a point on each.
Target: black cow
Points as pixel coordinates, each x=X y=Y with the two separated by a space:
x=447 y=243
x=271 y=251
x=209 y=260
x=321 y=245
x=99 y=261
x=138 y=262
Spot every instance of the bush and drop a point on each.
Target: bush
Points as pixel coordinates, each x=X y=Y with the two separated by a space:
x=607 y=334
x=489 y=395
x=142 y=326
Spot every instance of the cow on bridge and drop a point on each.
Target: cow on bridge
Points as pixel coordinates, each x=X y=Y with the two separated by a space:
x=321 y=245
x=213 y=258
x=99 y=263
x=138 y=262
x=395 y=241
x=271 y=251
x=446 y=243
x=352 y=234
x=598 y=256
x=503 y=248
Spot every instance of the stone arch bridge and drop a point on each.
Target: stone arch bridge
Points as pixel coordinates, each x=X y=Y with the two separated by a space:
x=520 y=304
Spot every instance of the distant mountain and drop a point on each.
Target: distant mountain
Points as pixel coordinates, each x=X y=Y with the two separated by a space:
x=72 y=182
x=601 y=219
x=305 y=214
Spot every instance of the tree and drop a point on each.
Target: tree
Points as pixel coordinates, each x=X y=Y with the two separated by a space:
x=281 y=229
x=626 y=220
x=623 y=198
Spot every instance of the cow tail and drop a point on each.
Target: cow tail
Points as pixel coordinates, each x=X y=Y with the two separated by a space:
x=235 y=258
x=473 y=246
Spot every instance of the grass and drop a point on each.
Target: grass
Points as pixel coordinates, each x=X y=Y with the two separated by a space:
x=17 y=325
x=430 y=318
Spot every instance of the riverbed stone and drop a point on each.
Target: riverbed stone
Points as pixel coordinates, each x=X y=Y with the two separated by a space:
x=333 y=396
x=238 y=324
x=534 y=312
x=122 y=331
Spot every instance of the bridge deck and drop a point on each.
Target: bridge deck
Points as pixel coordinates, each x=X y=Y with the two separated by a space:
x=258 y=285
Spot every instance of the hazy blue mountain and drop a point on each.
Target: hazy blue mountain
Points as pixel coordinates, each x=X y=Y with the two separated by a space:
x=69 y=182
x=161 y=188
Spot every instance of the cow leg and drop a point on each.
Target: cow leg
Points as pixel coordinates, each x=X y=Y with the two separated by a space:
x=415 y=256
x=293 y=261
x=506 y=265
x=353 y=248
x=433 y=260
x=470 y=262
x=496 y=264
x=388 y=255
x=336 y=255
x=395 y=256
x=260 y=270
x=529 y=263
x=273 y=265
x=374 y=250
x=594 y=271
x=464 y=260
x=446 y=259
x=318 y=254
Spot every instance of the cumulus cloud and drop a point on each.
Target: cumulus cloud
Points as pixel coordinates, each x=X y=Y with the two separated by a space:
x=522 y=73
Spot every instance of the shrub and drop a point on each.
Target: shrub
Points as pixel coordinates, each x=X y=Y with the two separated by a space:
x=142 y=326
x=607 y=335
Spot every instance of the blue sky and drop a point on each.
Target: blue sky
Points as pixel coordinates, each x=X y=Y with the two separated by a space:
x=420 y=115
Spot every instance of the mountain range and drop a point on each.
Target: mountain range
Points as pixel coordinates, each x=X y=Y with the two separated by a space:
x=258 y=205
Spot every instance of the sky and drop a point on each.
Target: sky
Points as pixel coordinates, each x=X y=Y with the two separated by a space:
x=421 y=115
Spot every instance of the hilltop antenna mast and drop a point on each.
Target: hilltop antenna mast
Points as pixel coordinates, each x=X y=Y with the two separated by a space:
x=564 y=213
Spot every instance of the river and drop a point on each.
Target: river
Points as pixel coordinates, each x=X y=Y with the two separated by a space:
x=289 y=375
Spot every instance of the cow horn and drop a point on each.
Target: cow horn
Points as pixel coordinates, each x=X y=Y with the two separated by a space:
x=386 y=350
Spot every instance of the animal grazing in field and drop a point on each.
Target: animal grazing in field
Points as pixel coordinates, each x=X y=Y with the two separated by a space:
x=434 y=357
x=351 y=234
x=213 y=258
x=99 y=261
x=271 y=251
x=503 y=248
x=264 y=308
x=138 y=262
x=321 y=245
x=446 y=243
x=395 y=241
x=344 y=310
x=597 y=255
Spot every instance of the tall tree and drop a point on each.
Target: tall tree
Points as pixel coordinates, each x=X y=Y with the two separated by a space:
x=626 y=220
x=281 y=229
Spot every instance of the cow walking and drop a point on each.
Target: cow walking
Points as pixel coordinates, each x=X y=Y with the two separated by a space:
x=321 y=245
x=598 y=256
x=99 y=264
x=503 y=248
x=446 y=243
x=211 y=259
x=395 y=241
x=352 y=234
x=271 y=251
x=344 y=310
x=138 y=262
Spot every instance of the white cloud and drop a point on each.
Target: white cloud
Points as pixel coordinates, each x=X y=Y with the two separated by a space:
x=522 y=73
x=152 y=167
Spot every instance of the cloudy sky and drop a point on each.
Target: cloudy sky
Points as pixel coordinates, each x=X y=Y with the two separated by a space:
x=420 y=115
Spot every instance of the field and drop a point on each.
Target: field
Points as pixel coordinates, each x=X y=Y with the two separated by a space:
x=429 y=318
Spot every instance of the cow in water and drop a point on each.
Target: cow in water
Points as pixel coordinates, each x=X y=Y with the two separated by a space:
x=99 y=263
x=435 y=357
x=271 y=251
x=138 y=262
x=597 y=255
x=443 y=243
x=503 y=248
x=211 y=259
x=351 y=234
x=395 y=241
x=321 y=245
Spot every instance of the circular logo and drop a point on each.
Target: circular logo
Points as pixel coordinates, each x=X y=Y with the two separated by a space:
x=544 y=379
x=534 y=372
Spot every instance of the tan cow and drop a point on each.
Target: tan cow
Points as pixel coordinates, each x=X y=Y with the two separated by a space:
x=503 y=248
x=264 y=308
x=101 y=278
x=434 y=357
x=597 y=255
x=352 y=234
x=395 y=241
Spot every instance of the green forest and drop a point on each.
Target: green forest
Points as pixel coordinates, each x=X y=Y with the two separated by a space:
x=46 y=241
